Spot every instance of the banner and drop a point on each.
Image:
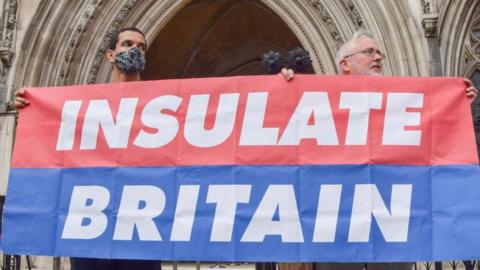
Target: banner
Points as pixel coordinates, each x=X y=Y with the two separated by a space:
x=322 y=168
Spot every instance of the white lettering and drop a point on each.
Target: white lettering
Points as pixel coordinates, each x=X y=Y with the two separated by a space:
x=66 y=134
x=253 y=132
x=138 y=206
x=195 y=132
x=99 y=115
x=87 y=204
x=185 y=213
x=367 y=202
x=396 y=118
x=323 y=129
x=359 y=105
x=288 y=226
x=327 y=213
x=226 y=197
x=167 y=125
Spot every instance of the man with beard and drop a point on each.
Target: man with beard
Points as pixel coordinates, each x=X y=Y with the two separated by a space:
x=126 y=52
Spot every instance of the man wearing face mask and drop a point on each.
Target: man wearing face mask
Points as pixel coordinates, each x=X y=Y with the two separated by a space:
x=126 y=52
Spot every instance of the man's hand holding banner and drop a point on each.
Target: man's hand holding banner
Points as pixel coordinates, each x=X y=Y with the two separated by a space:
x=323 y=168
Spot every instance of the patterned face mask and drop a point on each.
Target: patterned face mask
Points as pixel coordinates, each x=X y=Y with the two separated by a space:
x=131 y=61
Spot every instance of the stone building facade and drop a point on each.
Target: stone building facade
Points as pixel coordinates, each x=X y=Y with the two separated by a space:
x=62 y=42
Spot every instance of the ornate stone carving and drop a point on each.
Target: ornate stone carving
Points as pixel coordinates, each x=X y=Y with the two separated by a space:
x=429 y=24
x=6 y=55
x=117 y=22
x=472 y=47
x=165 y=8
x=80 y=28
x=425 y=6
x=430 y=18
x=7 y=43
x=8 y=32
x=10 y=13
x=353 y=13
x=318 y=4
x=281 y=4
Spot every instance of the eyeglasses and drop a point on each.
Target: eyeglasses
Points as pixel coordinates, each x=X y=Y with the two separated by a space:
x=370 y=52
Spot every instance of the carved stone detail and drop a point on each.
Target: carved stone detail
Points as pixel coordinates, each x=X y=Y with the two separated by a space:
x=472 y=45
x=117 y=22
x=10 y=21
x=425 y=6
x=7 y=38
x=6 y=56
x=334 y=32
x=430 y=18
x=353 y=13
x=80 y=28
x=429 y=24
x=124 y=11
x=7 y=44
x=281 y=4
x=166 y=7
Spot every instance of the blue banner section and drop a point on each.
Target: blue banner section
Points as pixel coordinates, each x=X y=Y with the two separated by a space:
x=350 y=213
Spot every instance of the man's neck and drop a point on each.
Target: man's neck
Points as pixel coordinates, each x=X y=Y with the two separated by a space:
x=122 y=77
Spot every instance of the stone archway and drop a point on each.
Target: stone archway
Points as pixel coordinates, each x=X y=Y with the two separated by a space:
x=455 y=27
x=66 y=40
x=217 y=38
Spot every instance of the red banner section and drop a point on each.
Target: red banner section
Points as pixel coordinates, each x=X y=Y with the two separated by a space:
x=257 y=120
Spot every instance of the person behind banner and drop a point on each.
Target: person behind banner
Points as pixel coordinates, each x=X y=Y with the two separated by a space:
x=126 y=53
x=361 y=55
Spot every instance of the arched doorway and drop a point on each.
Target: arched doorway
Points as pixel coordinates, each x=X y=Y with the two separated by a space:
x=217 y=38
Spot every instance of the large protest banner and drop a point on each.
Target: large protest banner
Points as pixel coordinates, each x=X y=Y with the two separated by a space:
x=323 y=168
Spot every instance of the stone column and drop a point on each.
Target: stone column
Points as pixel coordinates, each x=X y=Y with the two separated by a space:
x=7 y=127
x=429 y=23
x=6 y=55
x=8 y=25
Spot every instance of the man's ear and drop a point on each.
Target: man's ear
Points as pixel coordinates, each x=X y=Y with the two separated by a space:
x=345 y=66
x=110 y=55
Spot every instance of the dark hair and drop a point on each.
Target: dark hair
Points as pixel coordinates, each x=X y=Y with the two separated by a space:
x=114 y=37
